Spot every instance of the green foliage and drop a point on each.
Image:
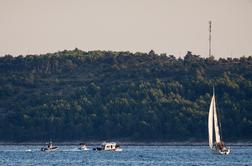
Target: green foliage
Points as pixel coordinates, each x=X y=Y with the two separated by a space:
x=99 y=95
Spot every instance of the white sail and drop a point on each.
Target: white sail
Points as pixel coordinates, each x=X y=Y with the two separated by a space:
x=216 y=126
x=210 y=123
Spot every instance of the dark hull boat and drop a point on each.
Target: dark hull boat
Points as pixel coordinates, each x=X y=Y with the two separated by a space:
x=49 y=149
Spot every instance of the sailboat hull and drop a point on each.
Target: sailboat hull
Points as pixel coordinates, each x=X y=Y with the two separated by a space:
x=225 y=151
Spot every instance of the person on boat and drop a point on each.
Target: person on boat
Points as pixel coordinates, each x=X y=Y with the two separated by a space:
x=83 y=144
x=220 y=145
x=50 y=145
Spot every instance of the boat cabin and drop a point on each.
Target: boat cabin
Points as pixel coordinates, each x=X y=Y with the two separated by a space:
x=109 y=146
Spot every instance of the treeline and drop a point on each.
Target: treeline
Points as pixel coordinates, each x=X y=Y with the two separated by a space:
x=104 y=95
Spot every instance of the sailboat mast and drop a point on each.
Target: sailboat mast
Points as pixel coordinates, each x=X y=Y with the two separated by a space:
x=213 y=91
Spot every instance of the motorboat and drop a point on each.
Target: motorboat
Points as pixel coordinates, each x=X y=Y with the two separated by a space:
x=108 y=146
x=49 y=148
x=83 y=146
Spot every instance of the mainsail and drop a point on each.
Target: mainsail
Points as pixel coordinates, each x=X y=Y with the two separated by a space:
x=216 y=126
x=213 y=119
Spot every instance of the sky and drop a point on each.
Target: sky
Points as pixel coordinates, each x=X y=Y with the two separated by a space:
x=165 y=26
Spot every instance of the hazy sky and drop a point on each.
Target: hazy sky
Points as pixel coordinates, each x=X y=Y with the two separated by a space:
x=166 y=26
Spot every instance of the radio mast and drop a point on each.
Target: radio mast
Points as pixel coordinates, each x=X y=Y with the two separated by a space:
x=210 y=38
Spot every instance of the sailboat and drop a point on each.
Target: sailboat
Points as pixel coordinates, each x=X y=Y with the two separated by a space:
x=213 y=129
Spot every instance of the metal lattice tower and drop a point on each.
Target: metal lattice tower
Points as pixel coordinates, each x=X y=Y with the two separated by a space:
x=210 y=39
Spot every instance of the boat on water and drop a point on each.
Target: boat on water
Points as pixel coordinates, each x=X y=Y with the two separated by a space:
x=213 y=129
x=108 y=146
x=49 y=148
x=83 y=146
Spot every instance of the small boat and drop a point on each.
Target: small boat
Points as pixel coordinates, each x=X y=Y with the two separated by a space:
x=49 y=148
x=109 y=146
x=213 y=128
x=83 y=146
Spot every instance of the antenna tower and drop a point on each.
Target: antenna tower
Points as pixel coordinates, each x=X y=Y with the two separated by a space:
x=210 y=39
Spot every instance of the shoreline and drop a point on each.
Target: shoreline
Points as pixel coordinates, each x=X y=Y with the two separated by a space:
x=96 y=143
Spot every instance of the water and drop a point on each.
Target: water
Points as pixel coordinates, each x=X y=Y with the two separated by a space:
x=131 y=155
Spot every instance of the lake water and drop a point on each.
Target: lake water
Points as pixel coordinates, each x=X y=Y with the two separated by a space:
x=131 y=155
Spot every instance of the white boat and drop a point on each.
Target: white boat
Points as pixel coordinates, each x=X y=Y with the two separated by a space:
x=83 y=147
x=213 y=129
x=109 y=146
x=49 y=148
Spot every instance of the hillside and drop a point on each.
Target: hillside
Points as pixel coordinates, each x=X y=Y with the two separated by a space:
x=102 y=95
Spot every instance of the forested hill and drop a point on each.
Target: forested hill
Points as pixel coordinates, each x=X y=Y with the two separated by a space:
x=103 y=95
